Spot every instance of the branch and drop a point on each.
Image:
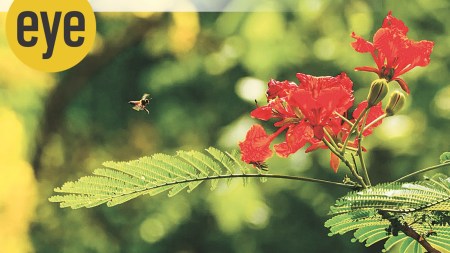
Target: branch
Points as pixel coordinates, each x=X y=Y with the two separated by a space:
x=423 y=171
x=409 y=231
x=297 y=178
x=420 y=239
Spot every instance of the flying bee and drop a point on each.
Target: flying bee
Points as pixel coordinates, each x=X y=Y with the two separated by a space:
x=142 y=103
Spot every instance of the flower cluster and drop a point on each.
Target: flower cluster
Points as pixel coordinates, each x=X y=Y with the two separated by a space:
x=309 y=112
x=314 y=112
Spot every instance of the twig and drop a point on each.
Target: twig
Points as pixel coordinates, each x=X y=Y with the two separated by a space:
x=423 y=170
x=360 y=153
x=346 y=162
x=355 y=125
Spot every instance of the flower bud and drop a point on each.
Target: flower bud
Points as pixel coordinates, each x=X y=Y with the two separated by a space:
x=378 y=90
x=395 y=104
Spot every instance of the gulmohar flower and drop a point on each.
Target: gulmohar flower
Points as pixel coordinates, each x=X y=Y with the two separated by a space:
x=392 y=51
x=309 y=112
x=304 y=110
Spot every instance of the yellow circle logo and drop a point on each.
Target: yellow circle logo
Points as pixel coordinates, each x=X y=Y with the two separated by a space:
x=50 y=35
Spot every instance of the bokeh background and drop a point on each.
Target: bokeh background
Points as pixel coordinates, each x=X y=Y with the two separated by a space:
x=204 y=71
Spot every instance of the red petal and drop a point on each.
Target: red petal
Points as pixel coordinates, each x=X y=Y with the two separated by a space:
x=423 y=49
x=316 y=145
x=388 y=43
x=262 y=113
x=361 y=45
x=296 y=138
x=319 y=97
x=359 y=109
x=367 y=69
x=413 y=54
x=374 y=113
x=255 y=147
x=279 y=89
x=402 y=84
x=334 y=162
x=394 y=23
x=314 y=83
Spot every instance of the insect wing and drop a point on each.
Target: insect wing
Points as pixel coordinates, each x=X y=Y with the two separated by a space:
x=137 y=107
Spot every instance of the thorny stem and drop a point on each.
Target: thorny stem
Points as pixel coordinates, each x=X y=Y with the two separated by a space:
x=355 y=125
x=360 y=153
x=423 y=171
x=347 y=163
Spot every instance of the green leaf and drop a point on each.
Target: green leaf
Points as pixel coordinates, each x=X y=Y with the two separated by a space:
x=374 y=212
x=445 y=157
x=119 y=182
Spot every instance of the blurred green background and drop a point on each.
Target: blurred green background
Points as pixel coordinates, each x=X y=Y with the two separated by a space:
x=204 y=71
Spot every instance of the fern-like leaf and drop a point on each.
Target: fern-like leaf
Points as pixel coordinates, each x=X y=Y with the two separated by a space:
x=119 y=182
x=378 y=213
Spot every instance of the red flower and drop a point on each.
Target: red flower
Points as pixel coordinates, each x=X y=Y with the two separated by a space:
x=255 y=148
x=393 y=52
x=317 y=98
x=304 y=110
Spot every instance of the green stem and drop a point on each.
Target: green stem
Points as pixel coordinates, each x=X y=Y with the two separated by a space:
x=344 y=119
x=375 y=121
x=355 y=125
x=354 y=162
x=348 y=148
x=297 y=178
x=332 y=142
x=346 y=162
x=423 y=170
x=360 y=153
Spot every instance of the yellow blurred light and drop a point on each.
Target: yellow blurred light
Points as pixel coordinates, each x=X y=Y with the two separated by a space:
x=234 y=206
x=264 y=26
x=12 y=142
x=249 y=89
x=361 y=23
x=17 y=203
x=310 y=9
x=152 y=230
x=235 y=132
x=325 y=48
x=184 y=31
x=442 y=103
x=17 y=186
x=399 y=126
x=259 y=215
